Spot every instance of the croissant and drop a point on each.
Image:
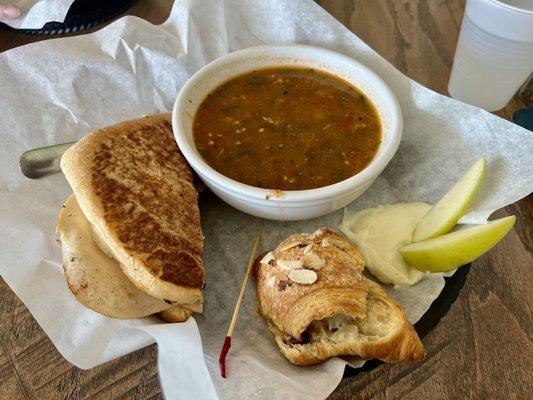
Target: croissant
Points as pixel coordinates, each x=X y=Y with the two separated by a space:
x=317 y=303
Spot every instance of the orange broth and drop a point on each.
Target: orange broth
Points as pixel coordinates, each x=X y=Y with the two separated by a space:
x=287 y=129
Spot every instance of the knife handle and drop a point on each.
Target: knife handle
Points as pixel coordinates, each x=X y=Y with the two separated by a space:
x=44 y=161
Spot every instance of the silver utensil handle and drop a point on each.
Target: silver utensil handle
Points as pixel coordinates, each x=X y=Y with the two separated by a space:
x=38 y=163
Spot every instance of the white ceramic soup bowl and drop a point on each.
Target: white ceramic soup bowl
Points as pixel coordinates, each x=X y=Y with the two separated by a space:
x=293 y=204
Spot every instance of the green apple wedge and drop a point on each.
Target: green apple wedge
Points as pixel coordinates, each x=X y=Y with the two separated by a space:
x=453 y=205
x=450 y=251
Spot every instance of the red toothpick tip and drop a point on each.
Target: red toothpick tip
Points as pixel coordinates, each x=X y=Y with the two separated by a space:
x=227 y=341
x=222 y=358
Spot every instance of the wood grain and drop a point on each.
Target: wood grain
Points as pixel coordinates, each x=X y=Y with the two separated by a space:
x=481 y=349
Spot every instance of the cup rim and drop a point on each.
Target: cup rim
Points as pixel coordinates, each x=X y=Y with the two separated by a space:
x=370 y=172
x=512 y=7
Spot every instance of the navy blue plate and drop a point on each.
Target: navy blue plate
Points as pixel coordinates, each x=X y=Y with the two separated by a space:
x=82 y=14
x=524 y=118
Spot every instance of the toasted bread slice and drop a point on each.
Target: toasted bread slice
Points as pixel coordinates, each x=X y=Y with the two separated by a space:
x=135 y=188
x=94 y=278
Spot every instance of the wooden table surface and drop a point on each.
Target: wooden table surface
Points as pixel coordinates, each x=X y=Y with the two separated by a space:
x=481 y=349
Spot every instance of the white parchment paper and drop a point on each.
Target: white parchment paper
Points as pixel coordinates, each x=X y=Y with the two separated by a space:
x=59 y=90
x=35 y=13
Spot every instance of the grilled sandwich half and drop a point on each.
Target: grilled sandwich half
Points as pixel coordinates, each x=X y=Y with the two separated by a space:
x=135 y=203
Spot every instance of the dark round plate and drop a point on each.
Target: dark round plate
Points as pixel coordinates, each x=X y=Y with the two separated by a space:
x=438 y=309
x=81 y=15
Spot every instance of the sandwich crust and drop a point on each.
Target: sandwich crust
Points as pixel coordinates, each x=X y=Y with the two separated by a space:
x=175 y=314
x=135 y=188
x=93 y=277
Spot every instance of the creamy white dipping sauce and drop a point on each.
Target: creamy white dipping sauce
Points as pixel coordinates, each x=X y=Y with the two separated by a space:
x=379 y=232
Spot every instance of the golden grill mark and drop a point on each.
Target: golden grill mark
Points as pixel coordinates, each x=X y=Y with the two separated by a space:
x=153 y=159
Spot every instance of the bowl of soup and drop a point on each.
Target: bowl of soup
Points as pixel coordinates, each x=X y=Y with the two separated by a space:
x=287 y=132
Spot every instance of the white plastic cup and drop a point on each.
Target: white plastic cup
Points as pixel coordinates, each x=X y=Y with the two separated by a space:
x=494 y=54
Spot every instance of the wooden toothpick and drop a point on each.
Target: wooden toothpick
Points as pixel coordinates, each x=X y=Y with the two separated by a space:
x=227 y=341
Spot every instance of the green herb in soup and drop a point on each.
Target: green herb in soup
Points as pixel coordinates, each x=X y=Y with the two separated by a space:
x=287 y=129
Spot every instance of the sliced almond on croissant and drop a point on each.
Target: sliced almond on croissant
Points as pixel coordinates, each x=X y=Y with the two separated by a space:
x=288 y=265
x=303 y=276
x=313 y=261
x=308 y=249
x=267 y=258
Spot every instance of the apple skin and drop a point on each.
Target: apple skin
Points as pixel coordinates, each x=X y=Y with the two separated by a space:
x=450 y=251
x=453 y=205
